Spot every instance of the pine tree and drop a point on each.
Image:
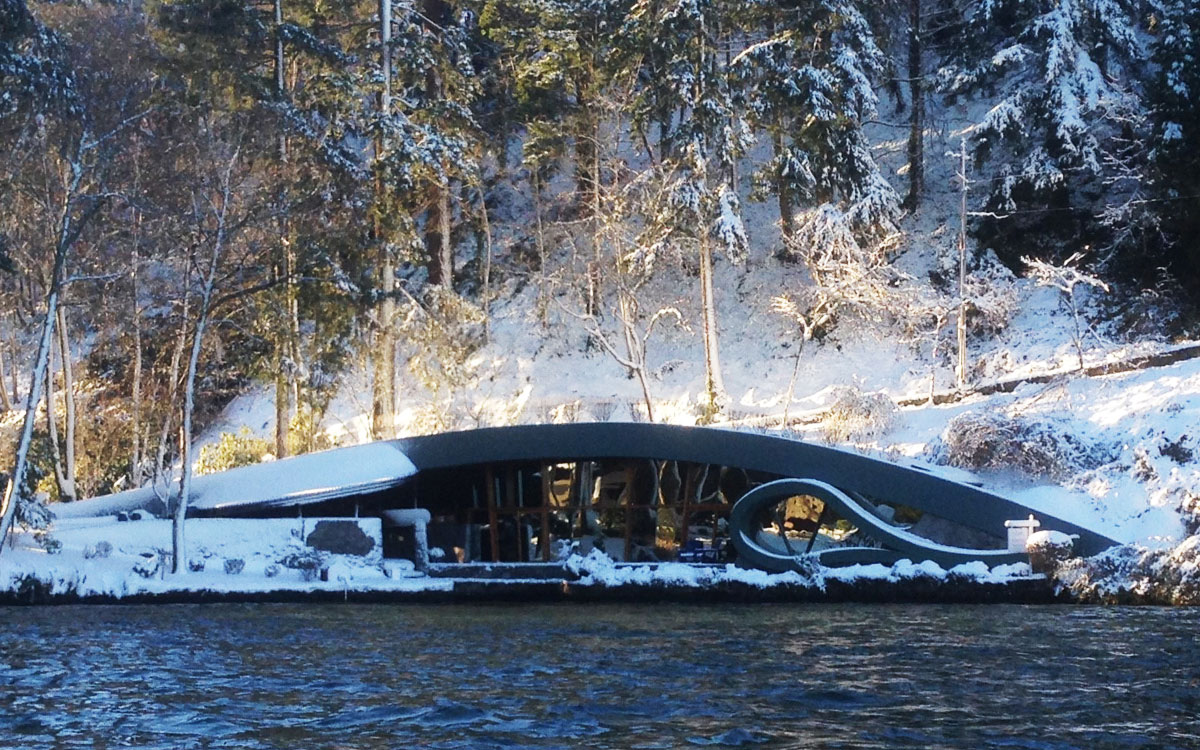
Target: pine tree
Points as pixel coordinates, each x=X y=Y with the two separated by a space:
x=1062 y=71
x=810 y=86
x=699 y=152
x=1175 y=157
x=566 y=58
x=33 y=77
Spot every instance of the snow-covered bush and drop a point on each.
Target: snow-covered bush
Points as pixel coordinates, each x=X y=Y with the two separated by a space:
x=307 y=560
x=148 y=565
x=1131 y=574
x=1189 y=509
x=234 y=565
x=32 y=511
x=857 y=416
x=1048 y=550
x=101 y=550
x=47 y=542
x=993 y=441
x=1066 y=277
x=1156 y=313
x=992 y=296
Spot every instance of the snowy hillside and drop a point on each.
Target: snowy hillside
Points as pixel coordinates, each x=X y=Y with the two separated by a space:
x=954 y=231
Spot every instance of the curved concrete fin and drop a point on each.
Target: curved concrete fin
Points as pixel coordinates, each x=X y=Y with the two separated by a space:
x=898 y=543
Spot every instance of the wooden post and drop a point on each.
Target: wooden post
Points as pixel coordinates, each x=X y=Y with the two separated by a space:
x=630 y=498
x=585 y=492
x=689 y=480
x=512 y=499
x=546 y=512
x=491 y=503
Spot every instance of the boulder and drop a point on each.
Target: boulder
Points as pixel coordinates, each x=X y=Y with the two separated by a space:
x=1048 y=550
x=340 y=538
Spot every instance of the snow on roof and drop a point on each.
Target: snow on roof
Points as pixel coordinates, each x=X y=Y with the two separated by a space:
x=311 y=478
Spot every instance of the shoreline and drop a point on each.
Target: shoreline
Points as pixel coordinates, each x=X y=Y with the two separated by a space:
x=1032 y=590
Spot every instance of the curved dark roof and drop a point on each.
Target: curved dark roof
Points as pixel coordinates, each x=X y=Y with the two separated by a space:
x=903 y=483
x=379 y=466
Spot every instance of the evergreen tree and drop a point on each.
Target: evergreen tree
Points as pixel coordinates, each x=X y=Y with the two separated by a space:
x=810 y=86
x=1063 y=71
x=700 y=150
x=1175 y=158
x=34 y=79
x=566 y=58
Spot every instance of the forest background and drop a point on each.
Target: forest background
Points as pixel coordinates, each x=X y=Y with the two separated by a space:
x=203 y=197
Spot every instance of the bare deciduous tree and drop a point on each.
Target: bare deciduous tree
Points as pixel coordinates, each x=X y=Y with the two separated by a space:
x=1065 y=278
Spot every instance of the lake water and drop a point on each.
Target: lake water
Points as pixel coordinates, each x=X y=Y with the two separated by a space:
x=570 y=676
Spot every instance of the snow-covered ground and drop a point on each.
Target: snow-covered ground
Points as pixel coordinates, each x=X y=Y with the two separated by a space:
x=104 y=557
x=1137 y=428
x=107 y=558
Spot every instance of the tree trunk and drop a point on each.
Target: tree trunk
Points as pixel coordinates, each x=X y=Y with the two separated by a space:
x=284 y=344
x=60 y=476
x=447 y=246
x=383 y=406
x=280 y=63
x=70 y=491
x=435 y=15
x=486 y=293
x=137 y=449
x=635 y=347
x=594 y=278
x=164 y=435
x=178 y=542
x=13 y=362
x=787 y=221
x=543 y=297
x=4 y=399
x=714 y=386
x=961 y=326
x=283 y=410
x=67 y=232
x=916 y=122
x=12 y=493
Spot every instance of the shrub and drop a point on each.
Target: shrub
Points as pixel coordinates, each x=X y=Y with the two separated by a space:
x=147 y=565
x=101 y=550
x=231 y=451
x=992 y=441
x=47 y=542
x=234 y=565
x=308 y=561
x=1135 y=575
x=1189 y=509
x=857 y=416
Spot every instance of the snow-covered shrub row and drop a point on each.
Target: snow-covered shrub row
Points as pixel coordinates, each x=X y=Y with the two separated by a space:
x=857 y=416
x=1136 y=575
x=990 y=440
x=597 y=569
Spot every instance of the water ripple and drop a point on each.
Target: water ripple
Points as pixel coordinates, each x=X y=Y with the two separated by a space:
x=251 y=677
